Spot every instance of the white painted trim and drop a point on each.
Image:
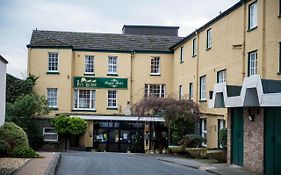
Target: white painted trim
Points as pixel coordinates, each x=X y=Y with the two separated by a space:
x=120 y=118
x=254 y=81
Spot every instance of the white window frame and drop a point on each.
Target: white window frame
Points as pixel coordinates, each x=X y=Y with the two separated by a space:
x=155 y=63
x=209 y=38
x=89 y=62
x=204 y=131
x=194 y=46
x=253 y=63
x=92 y=98
x=180 y=92
x=253 y=15
x=112 y=66
x=181 y=54
x=190 y=91
x=221 y=76
x=56 y=98
x=203 y=88
x=148 y=87
x=50 y=62
x=108 y=99
x=50 y=133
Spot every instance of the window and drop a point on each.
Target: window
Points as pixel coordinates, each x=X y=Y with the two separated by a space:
x=50 y=134
x=279 y=8
x=182 y=55
x=221 y=76
x=280 y=56
x=154 y=90
x=253 y=15
x=252 y=63
x=53 y=62
x=203 y=130
x=190 y=91
x=203 y=88
x=194 y=47
x=155 y=66
x=209 y=38
x=112 y=99
x=180 y=92
x=89 y=64
x=112 y=65
x=52 y=97
x=221 y=125
x=84 y=99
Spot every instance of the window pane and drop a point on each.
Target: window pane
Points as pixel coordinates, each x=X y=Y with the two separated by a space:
x=53 y=61
x=52 y=97
x=89 y=64
x=154 y=90
x=155 y=65
x=112 y=64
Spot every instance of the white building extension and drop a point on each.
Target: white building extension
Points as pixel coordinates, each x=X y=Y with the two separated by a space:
x=3 y=64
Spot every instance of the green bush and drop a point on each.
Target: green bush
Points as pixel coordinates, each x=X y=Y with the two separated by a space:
x=13 y=135
x=223 y=137
x=191 y=141
x=23 y=152
x=4 y=147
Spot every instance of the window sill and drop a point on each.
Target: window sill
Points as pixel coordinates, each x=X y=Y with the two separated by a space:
x=202 y=101
x=155 y=74
x=194 y=56
x=251 y=29
x=208 y=48
x=89 y=74
x=83 y=110
x=111 y=108
x=181 y=62
x=52 y=73
x=112 y=74
x=54 y=108
x=278 y=73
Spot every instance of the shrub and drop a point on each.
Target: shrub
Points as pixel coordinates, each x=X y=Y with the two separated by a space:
x=24 y=152
x=223 y=137
x=4 y=147
x=191 y=141
x=13 y=135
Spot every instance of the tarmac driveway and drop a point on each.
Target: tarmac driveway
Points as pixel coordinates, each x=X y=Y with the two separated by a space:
x=89 y=163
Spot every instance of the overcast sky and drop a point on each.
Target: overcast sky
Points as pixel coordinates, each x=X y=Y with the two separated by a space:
x=19 y=17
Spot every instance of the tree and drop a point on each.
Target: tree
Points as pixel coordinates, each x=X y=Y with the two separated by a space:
x=23 y=111
x=180 y=115
x=69 y=126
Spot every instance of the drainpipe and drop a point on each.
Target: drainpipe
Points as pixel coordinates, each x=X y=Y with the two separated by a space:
x=197 y=67
x=131 y=76
x=263 y=40
x=244 y=42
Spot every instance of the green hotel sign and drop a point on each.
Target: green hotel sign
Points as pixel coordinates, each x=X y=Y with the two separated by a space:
x=98 y=82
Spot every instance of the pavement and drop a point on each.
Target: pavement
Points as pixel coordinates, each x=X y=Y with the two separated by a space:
x=45 y=165
x=204 y=164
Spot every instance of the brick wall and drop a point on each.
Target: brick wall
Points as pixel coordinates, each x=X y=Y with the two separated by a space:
x=229 y=136
x=254 y=140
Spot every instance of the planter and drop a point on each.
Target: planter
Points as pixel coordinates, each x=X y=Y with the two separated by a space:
x=176 y=149
x=157 y=151
x=200 y=153
x=164 y=151
x=219 y=155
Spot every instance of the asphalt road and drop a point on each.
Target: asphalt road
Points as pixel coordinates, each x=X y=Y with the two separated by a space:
x=88 y=163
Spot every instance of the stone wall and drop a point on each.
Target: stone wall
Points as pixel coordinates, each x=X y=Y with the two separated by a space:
x=254 y=139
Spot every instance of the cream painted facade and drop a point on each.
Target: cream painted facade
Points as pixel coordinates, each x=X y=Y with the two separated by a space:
x=231 y=43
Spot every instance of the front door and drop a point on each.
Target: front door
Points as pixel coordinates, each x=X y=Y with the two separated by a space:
x=272 y=127
x=237 y=136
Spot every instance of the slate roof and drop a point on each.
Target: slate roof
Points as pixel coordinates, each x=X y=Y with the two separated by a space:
x=3 y=60
x=102 y=41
